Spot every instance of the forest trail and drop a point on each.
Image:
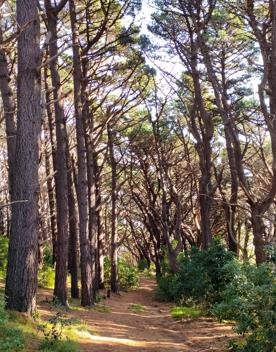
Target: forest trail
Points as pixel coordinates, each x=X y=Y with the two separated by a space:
x=122 y=330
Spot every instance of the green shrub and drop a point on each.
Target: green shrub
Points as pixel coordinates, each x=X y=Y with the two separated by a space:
x=164 y=290
x=53 y=332
x=46 y=277
x=48 y=256
x=201 y=277
x=250 y=300
x=11 y=338
x=58 y=346
x=142 y=264
x=4 y=244
x=128 y=277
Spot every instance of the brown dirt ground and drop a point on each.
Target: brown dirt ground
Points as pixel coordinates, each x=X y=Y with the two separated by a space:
x=153 y=330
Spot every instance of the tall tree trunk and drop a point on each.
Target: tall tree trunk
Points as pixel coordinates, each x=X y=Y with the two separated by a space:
x=258 y=228
x=114 y=219
x=73 y=233
x=21 y=282
x=205 y=200
x=9 y=113
x=60 y=290
x=92 y=212
x=50 y=182
x=82 y=186
x=100 y=232
x=50 y=188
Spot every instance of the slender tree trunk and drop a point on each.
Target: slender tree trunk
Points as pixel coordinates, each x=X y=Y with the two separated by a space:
x=82 y=186
x=73 y=233
x=50 y=187
x=60 y=290
x=100 y=232
x=258 y=228
x=205 y=200
x=51 y=181
x=21 y=282
x=114 y=219
x=92 y=214
x=9 y=114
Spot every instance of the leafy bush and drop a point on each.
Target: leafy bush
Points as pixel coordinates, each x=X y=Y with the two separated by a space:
x=4 y=244
x=250 y=300
x=128 y=277
x=201 y=277
x=53 y=335
x=58 y=346
x=164 y=290
x=142 y=264
x=11 y=338
x=46 y=277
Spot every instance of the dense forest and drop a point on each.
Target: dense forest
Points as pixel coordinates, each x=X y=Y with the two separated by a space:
x=139 y=136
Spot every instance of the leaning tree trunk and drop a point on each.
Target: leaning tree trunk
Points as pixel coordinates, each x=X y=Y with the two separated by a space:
x=21 y=282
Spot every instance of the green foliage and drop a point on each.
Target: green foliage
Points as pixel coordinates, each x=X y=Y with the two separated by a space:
x=53 y=335
x=185 y=312
x=142 y=264
x=4 y=244
x=201 y=277
x=250 y=300
x=11 y=338
x=136 y=308
x=101 y=308
x=164 y=290
x=46 y=275
x=48 y=256
x=128 y=277
x=58 y=346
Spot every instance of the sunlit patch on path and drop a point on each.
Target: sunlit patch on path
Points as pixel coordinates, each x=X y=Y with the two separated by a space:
x=152 y=329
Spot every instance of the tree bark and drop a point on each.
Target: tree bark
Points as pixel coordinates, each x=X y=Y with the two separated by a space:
x=73 y=233
x=60 y=290
x=9 y=114
x=114 y=219
x=21 y=282
x=82 y=185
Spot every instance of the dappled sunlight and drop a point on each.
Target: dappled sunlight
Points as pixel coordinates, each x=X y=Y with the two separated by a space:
x=125 y=341
x=152 y=329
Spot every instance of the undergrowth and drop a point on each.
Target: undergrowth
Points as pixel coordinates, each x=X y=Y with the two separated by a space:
x=214 y=282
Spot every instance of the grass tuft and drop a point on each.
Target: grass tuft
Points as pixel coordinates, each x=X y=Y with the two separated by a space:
x=185 y=312
x=137 y=308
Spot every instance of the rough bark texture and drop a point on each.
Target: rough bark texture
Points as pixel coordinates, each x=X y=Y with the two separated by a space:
x=50 y=181
x=114 y=235
x=21 y=282
x=9 y=113
x=60 y=290
x=82 y=186
x=73 y=232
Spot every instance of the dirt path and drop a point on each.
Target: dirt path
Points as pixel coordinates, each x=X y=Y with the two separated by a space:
x=153 y=330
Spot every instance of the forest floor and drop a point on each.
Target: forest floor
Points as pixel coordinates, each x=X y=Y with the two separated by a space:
x=136 y=322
